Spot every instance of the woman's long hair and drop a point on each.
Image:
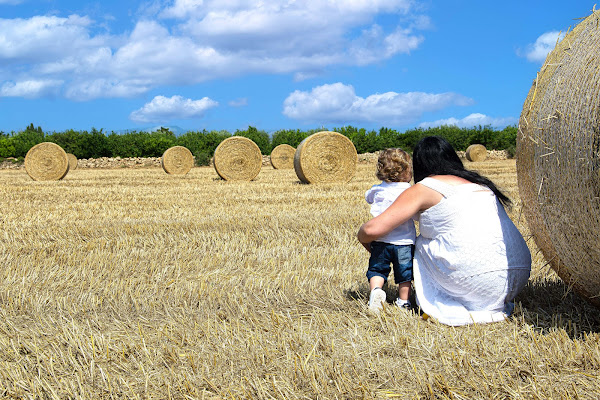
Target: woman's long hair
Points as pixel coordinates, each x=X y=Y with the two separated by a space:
x=433 y=155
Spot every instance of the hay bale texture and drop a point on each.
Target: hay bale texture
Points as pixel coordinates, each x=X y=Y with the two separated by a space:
x=476 y=152
x=177 y=160
x=558 y=159
x=325 y=157
x=46 y=162
x=237 y=159
x=282 y=157
x=72 y=161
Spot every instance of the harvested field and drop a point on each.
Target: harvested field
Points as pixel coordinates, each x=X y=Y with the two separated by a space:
x=132 y=283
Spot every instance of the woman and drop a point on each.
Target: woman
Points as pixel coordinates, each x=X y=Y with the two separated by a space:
x=470 y=259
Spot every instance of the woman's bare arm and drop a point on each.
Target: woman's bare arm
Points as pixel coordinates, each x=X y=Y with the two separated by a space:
x=413 y=200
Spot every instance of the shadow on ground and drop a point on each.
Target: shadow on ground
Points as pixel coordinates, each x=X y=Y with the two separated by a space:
x=550 y=305
x=547 y=306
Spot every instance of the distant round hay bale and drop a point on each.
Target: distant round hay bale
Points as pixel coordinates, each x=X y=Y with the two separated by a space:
x=177 y=160
x=325 y=157
x=282 y=157
x=46 y=162
x=72 y=161
x=237 y=158
x=476 y=152
x=558 y=159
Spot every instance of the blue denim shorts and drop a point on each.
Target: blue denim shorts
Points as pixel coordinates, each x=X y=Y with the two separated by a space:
x=399 y=256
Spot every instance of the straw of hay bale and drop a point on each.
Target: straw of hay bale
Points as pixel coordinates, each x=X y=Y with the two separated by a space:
x=558 y=159
x=46 y=162
x=237 y=158
x=177 y=160
x=325 y=157
x=282 y=157
x=72 y=161
x=476 y=152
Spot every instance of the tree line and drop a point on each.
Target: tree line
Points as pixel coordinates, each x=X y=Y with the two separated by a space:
x=202 y=144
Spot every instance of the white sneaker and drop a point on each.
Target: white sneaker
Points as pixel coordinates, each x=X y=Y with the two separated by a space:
x=405 y=304
x=376 y=299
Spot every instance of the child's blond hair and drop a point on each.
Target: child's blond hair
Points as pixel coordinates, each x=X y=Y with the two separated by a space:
x=394 y=165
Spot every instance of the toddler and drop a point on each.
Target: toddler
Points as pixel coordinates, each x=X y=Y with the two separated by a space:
x=397 y=247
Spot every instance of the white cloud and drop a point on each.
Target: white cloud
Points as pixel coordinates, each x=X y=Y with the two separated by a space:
x=373 y=45
x=199 y=9
x=475 y=119
x=30 y=88
x=338 y=103
x=162 y=109
x=305 y=30
x=91 y=89
x=201 y=40
x=44 y=38
x=238 y=102
x=543 y=45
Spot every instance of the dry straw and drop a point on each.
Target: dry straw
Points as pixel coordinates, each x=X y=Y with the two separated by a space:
x=46 y=162
x=127 y=287
x=325 y=157
x=476 y=152
x=282 y=157
x=72 y=161
x=237 y=158
x=177 y=160
x=558 y=158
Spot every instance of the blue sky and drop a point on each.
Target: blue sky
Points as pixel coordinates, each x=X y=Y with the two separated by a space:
x=275 y=64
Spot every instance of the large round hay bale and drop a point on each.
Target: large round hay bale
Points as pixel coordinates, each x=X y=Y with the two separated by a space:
x=237 y=159
x=46 y=162
x=72 y=161
x=558 y=159
x=282 y=157
x=325 y=157
x=476 y=152
x=177 y=160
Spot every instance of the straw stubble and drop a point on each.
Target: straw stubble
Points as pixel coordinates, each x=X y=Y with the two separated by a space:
x=111 y=289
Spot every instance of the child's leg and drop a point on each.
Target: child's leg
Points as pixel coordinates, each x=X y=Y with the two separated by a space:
x=379 y=270
x=376 y=282
x=379 y=265
x=403 y=272
x=404 y=290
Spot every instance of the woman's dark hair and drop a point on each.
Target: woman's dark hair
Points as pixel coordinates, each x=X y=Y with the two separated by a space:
x=433 y=155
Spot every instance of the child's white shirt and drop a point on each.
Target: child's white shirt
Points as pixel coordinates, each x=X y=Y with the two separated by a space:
x=381 y=197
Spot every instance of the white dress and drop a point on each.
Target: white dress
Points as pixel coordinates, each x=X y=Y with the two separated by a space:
x=470 y=259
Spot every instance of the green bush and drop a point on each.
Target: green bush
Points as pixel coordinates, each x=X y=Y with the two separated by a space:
x=203 y=143
x=511 y=151
x=125 y=145
x=7 y=149
x=202 y=158
x=25 y=140
x=288 y=136
x=156 y=143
